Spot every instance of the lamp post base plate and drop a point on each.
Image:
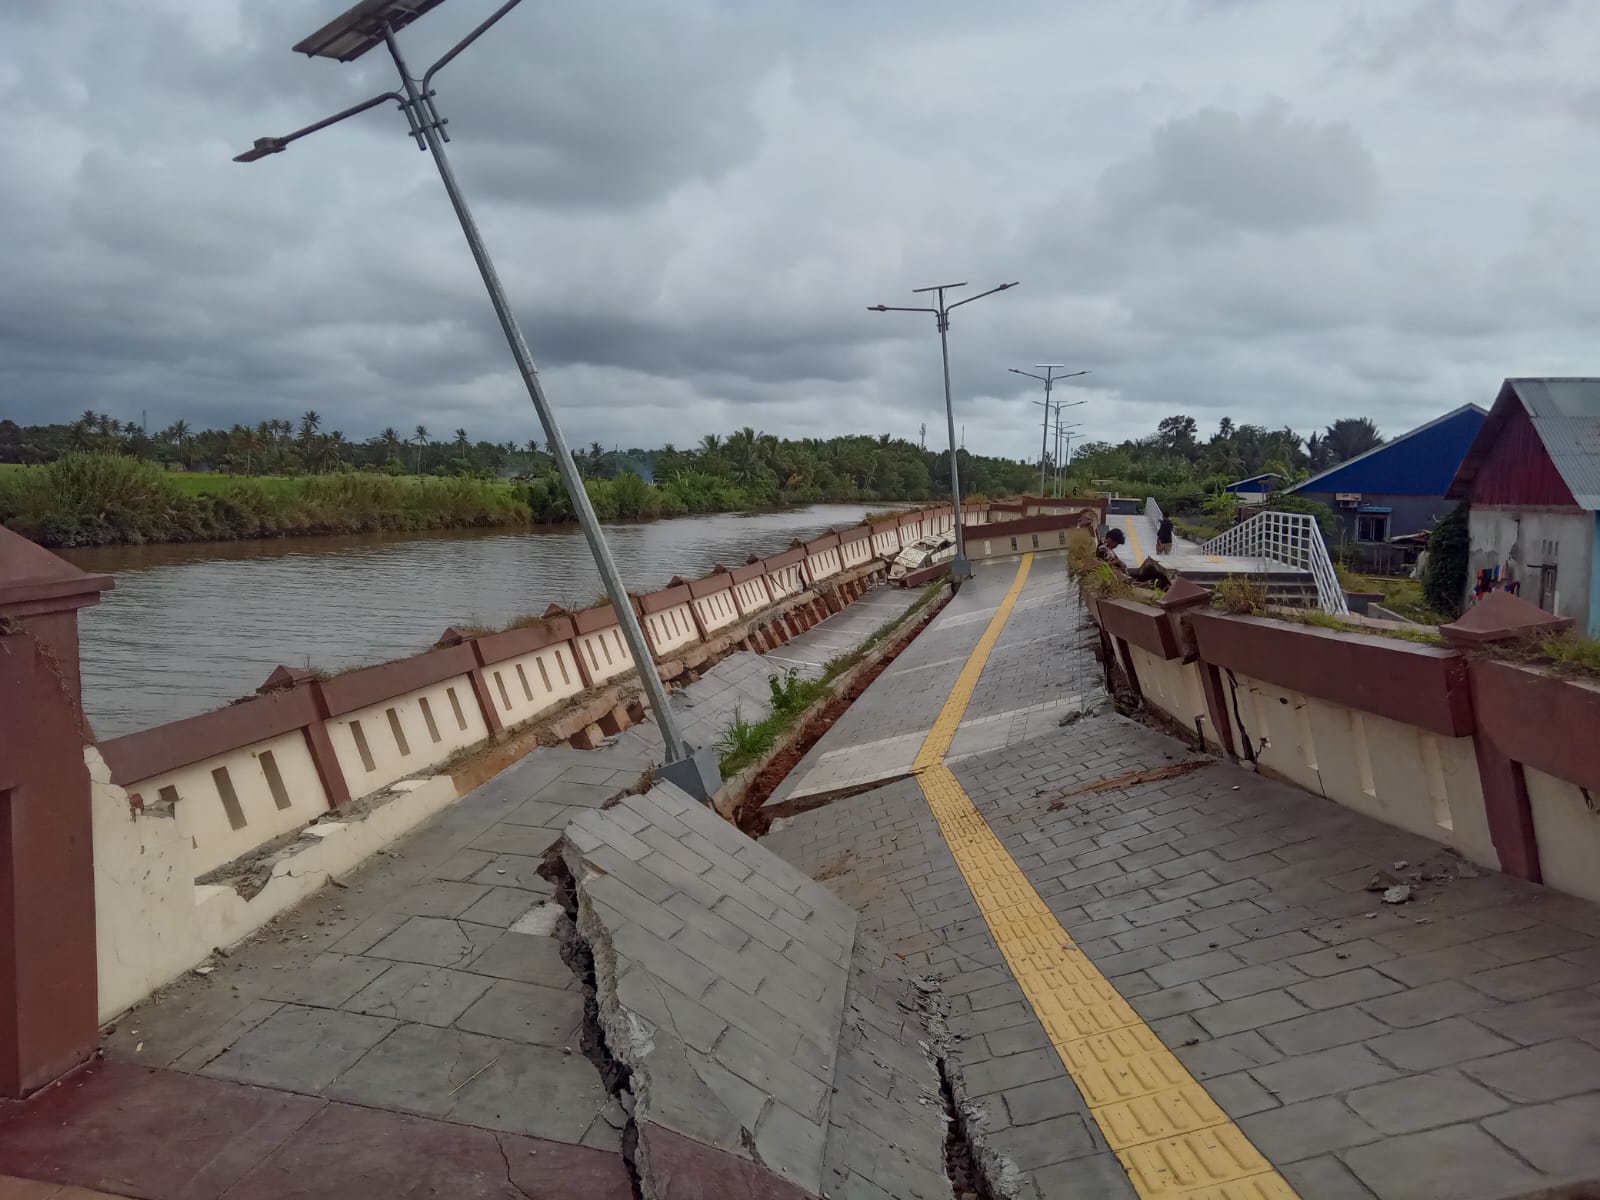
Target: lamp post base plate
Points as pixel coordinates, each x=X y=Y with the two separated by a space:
x=699 y=773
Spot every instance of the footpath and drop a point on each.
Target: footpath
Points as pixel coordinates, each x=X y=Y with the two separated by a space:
x=994 y=948
x=1164 y=975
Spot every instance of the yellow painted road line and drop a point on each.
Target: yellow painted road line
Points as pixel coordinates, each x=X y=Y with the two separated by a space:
x=1167 y=1131
x=1131 y=528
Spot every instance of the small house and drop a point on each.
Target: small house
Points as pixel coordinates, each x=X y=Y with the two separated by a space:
x=1395 y=489
x=1532 y=477
x=1255 y=489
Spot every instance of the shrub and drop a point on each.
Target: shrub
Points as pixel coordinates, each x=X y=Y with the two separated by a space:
x=1080 y=552
x=1240 y=594
x=1444 y=581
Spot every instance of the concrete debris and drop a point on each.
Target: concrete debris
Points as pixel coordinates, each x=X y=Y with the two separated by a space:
x=1383 y=881
x=1397 y=895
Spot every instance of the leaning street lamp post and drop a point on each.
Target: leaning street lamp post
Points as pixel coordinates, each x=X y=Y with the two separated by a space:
x=1050 y=378
x=959 y=569
x=372 y=23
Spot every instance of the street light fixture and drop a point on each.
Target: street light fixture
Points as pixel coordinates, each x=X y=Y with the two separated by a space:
x=1049 y=377
x=361 y=28
x=961 y=568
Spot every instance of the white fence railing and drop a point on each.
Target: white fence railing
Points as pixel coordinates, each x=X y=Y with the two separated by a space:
x=1153 y=510
x=1291 y=538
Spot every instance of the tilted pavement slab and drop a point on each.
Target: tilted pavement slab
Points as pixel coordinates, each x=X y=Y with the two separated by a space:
x=749 y=1032
x=1035 y=680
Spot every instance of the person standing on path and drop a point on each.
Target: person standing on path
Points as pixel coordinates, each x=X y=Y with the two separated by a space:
x=1164 y=536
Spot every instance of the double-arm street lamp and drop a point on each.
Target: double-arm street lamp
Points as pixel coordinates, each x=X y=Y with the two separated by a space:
x=1050 y=378
x=374 y=23
x=959 y=569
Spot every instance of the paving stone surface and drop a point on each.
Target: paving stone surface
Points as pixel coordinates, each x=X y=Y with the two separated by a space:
x=1354 y=1042
x=751 y=1019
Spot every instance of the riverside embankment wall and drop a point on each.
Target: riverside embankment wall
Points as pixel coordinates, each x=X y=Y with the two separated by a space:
x=1496 y=759
x=185 y=813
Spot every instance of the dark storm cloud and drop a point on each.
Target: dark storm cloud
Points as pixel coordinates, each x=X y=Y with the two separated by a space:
x=1274 y=211
x=1267 y=170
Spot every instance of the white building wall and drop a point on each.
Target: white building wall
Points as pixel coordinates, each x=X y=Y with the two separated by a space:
x=1518 y=542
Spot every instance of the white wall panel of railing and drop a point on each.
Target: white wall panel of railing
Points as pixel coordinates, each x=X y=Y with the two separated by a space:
x=671 y=628
x=1152 y=510
x=606 y=653
x=753 y=596
x=1291 y=538
x=716 y=610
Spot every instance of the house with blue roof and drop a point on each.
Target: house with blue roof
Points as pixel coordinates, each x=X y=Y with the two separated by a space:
x=1399 y=487
x=1255 y=489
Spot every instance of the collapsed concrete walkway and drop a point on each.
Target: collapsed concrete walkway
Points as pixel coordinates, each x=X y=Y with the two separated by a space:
x=1165 y=976
x=1136 y=971
x=422 y=1002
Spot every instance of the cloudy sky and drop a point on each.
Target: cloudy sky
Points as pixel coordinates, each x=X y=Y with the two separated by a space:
x=1278 y=210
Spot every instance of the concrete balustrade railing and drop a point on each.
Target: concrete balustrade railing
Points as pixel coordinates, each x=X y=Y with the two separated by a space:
x=1491 y=758
x=240 y=777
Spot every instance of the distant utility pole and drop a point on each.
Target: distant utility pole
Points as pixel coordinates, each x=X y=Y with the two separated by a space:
x=1049 y=377
x=922 y=436
x=959 y=569
x=1063 y=437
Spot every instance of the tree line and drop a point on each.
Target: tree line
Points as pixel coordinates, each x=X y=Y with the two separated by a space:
x=251 y=480
x=1185 y=471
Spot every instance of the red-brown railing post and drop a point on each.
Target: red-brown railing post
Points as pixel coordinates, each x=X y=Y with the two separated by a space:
x=49 y=1018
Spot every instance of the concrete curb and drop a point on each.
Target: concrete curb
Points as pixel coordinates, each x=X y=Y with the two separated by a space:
x=730 y=796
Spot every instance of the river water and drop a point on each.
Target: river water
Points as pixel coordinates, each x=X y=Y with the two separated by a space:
x=191 y=627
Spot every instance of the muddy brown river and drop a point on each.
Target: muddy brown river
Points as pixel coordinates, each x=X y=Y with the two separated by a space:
x=191 y=627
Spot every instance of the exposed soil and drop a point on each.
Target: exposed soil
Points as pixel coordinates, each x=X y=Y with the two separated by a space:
x=1128 y=779
x=752 y=815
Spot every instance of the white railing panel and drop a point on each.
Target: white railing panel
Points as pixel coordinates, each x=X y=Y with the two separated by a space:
x=1291 y=538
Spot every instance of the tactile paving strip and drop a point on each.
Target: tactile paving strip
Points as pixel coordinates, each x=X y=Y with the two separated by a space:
x=1170 y=1135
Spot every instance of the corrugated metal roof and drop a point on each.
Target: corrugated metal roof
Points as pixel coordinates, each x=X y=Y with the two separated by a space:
x=1421 y=462
x=1566 y=415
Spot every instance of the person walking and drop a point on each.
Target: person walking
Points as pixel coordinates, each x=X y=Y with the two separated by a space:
x=1164 y=536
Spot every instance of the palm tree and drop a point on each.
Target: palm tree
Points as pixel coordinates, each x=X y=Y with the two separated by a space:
x=331 y=451
x=743 y=461
x=1348 y=437
x=419 y=438
x=461 y=438
x=390 y=437
x=182 y=439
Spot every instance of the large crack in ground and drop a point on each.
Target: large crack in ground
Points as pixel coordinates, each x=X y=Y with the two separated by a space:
x=578 y=954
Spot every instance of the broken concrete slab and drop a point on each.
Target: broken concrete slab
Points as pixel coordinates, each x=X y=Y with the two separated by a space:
x=735 y=1013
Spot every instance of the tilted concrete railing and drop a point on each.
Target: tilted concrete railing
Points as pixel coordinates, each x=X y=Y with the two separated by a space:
x=1488 y=757
x=239 y=777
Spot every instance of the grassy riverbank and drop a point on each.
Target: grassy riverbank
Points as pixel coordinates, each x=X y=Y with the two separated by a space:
x=98 y=500
x=108 y=499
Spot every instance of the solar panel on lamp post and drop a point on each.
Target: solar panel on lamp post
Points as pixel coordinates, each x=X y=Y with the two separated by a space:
x=960 y=568
x=1049 y=377
x=363 y=27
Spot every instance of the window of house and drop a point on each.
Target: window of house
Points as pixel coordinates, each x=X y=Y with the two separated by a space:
x=1372 y=527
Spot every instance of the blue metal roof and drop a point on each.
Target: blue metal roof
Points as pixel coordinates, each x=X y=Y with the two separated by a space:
x=1419 y=463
